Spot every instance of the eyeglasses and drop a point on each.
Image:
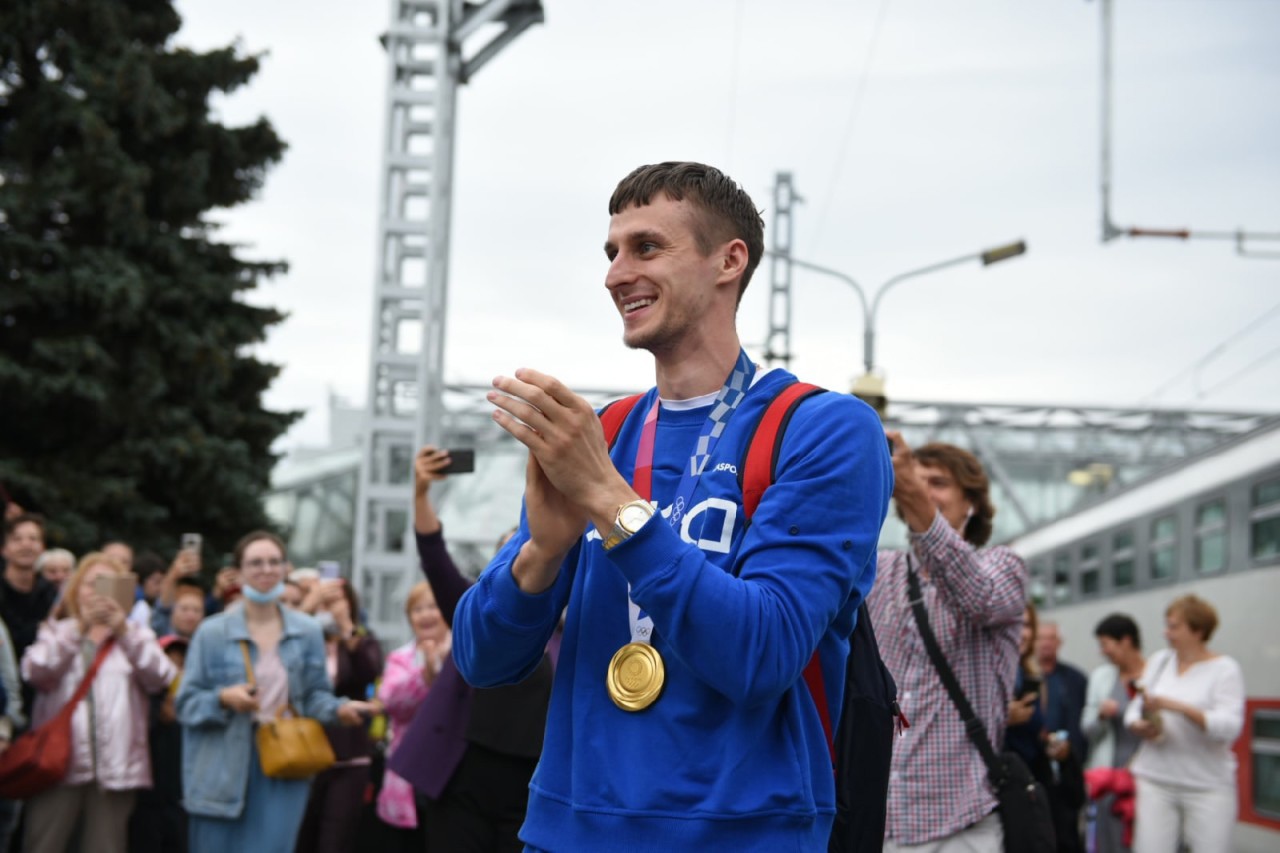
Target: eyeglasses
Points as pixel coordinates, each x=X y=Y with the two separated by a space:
x=264 y=562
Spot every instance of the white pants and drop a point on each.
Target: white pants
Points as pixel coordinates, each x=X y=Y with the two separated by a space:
x=1200 y=818
x=985 y=836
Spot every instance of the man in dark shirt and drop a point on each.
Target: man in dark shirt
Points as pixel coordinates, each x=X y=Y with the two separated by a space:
x=1065 y=688
x=26 y=598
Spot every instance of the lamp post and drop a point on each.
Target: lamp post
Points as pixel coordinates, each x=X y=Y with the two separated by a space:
x=869 y=386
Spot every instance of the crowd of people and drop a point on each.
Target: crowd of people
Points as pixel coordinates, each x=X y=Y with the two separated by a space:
x=654 y=660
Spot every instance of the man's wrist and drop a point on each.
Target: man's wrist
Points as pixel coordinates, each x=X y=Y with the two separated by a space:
x=533 y=569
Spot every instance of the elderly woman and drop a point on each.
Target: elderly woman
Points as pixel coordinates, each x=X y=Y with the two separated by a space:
x=55 y=566
x=232 y=804
x=1189 y=710
x=411 y=671
x=109 y=756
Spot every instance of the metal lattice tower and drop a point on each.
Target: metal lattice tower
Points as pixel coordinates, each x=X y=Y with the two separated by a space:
x=425 y=65
x=777 y=343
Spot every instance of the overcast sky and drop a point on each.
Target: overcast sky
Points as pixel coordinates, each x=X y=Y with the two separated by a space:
x=916 y=130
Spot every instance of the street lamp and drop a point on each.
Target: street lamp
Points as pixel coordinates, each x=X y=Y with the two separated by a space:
x=869 y=386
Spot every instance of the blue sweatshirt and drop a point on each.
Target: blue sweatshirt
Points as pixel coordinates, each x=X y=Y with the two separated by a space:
x=732 y=755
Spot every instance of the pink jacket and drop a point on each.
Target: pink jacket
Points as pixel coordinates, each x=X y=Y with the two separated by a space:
x=401 y=692
x=117 y=755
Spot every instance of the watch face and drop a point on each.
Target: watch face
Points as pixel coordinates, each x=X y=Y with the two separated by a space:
x=633 y=517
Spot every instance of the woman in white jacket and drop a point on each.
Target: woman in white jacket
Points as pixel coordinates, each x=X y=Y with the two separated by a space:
x=1189 y=710
x=109 y=755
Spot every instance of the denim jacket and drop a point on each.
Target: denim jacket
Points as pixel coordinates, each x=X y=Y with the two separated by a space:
x=217 y=742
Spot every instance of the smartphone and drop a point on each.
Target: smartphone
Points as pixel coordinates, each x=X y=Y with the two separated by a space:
x=1029 y=685
x=122 y=588
x=192 y=542
x=329 y=569
x=462 y=461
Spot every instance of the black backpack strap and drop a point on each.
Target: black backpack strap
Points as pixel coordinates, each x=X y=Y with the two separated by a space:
x=973 y=727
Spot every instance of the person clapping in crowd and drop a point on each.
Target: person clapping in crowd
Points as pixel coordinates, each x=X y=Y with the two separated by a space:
x=353 y=661
x=231 y=803
x=1189 y=710
x=109 y=758
x=411 y=671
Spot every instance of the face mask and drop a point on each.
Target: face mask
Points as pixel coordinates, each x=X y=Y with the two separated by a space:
x=268 y=597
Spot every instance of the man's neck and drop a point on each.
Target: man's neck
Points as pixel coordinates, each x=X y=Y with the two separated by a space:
x=697 y=370
x=23 y=580
x=1047 y=666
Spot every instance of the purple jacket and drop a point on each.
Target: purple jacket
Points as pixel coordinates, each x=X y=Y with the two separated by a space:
x=437 y=737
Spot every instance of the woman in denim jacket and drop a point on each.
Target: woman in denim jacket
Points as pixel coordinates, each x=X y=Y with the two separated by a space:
x=232 y=805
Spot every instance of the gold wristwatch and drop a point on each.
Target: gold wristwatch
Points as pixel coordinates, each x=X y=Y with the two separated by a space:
x=629 y=518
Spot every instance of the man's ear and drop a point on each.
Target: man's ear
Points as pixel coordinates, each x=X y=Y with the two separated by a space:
x=733 y=260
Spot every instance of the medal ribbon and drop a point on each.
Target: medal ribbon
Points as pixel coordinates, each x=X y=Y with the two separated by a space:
x=731 y=394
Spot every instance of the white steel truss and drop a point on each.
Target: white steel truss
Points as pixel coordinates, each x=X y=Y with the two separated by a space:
x=426 y=63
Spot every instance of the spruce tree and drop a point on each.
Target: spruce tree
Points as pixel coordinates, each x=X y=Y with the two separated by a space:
x=130 y=403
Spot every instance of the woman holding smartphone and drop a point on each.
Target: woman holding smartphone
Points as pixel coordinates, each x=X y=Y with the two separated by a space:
x=232 y=804
x=109 y=756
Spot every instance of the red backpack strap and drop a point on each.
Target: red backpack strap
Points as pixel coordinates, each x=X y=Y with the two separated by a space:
x=758 y=472
x=615 y=414
x=761 y=464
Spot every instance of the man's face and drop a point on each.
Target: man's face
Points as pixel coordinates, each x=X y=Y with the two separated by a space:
x=1048 y=641
x=660 y=281
x=24 y=545
x=945 y=494
x=188 y=610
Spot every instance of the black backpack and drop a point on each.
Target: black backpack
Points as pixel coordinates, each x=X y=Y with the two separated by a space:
x=862 y=746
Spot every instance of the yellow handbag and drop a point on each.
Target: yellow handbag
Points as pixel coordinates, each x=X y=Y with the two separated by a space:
x=293 y=746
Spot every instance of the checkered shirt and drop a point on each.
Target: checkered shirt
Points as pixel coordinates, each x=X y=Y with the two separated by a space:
x=938 y=783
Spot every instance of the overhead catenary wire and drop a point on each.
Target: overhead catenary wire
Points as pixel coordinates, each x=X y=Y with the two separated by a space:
x=1248 y=368
x=855 y=107
x=1213 y=353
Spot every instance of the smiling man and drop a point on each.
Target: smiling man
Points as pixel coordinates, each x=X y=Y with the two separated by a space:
x=939 y=800
x=679 y=717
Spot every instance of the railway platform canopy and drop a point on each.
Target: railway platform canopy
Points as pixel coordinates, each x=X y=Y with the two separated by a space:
x=1045 y=460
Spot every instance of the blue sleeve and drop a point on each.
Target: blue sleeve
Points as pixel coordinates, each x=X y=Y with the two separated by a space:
x=315 y=696
x=501 y=632
x=197 y=703
x=807 y=556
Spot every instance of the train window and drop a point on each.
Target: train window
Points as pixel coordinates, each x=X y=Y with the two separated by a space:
x=1122 y=559
x=1211 y=536
x=1265 y=749
x=1264 y=521
x=1164 y=547
x=1090 y=570
x=1061 y=577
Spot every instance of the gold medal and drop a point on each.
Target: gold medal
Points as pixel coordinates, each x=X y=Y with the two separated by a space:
x=635 y=676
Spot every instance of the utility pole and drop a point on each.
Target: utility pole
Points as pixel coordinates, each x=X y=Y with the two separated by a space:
x=777 y=342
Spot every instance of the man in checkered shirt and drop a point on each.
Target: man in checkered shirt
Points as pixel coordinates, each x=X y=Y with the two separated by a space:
x=939 y=798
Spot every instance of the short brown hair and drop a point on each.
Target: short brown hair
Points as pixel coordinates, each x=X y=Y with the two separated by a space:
x=723 y=210
x=971 y=477
x=25 y=518
x=248 y=539
x=1200 y=615
x=71 y=597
